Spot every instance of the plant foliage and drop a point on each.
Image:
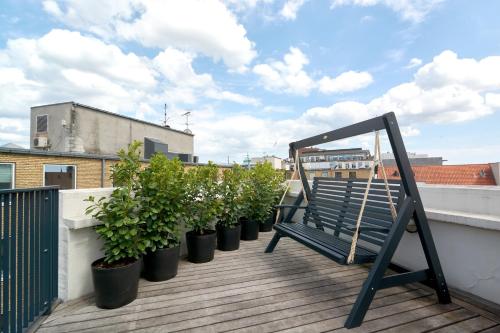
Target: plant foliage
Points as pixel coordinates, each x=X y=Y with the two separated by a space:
x=121 y=226
x=202 y=203
x=231 y=194
x=163 y=195
x=262 y=191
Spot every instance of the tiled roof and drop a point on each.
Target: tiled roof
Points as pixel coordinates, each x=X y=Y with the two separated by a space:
x=466 y=174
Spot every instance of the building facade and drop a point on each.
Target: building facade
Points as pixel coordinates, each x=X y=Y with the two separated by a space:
x=26 y=168
x=77 y=128
x=415 y=159
x=276 y=162
x=336 y=163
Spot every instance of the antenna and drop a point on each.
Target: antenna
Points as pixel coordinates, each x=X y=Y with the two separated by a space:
x=187 y=114
x=165 y=119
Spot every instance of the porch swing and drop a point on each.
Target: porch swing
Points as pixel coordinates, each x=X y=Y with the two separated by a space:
x=358 y=221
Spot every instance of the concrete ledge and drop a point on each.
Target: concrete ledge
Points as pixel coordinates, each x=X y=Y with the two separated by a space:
x=468 y=219
x=80 y=223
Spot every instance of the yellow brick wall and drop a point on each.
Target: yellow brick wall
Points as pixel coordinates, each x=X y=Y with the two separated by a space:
x=29 y=169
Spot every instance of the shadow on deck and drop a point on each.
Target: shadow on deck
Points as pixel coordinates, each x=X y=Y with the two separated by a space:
x=293 y=290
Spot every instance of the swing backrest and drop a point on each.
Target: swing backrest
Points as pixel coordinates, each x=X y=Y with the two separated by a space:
x=335 y=204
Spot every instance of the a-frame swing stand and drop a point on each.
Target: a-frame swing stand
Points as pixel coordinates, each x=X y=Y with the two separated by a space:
x=410 y=207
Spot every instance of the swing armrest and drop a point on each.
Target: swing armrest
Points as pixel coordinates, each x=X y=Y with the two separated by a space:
x=363 y=229
x=290 y=206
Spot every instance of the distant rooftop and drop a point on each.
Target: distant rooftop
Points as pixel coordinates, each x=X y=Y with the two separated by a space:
x=314 y=150
x=168 y=128
x=466 y=174
x=11 y=146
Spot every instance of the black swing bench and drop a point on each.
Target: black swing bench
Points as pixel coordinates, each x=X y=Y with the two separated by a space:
x=374 y=212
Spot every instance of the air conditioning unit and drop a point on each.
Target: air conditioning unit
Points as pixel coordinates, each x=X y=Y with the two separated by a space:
x=41 y=142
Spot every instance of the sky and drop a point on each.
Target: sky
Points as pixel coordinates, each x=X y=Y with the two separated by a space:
x=258 y=74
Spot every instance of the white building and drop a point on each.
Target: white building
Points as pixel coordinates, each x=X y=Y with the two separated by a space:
x=276 y=162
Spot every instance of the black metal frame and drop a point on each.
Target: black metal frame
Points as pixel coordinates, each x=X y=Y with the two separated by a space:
x=410 y=207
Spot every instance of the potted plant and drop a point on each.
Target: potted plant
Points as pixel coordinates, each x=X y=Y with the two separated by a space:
x=162 y=193
x=116 y=275
x=229 y=227
x=249 y=225
x=203 y=206
x=277 y=188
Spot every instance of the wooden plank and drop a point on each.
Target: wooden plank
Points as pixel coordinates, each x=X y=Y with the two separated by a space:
x=396 y=319
x=171 y=319
x=434 y=322
x=294 y=289
x=239 y=319
x=495 y=329
x=471 y=325
x=265 y=296
x=320 y=321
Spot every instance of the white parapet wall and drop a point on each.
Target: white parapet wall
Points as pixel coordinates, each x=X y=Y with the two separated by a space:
x=465 y=224
x=79 y=245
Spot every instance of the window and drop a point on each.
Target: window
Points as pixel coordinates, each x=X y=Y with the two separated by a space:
x=7 y=174
x=62 y=175
x=324 y=174
x=338 y=174
x=42 y=123
x=352 y=174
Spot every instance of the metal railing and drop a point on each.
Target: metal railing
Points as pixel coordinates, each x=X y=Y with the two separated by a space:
x=29 y=236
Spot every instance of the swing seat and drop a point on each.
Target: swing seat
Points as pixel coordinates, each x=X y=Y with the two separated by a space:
x=330 y=218
x=360 y=221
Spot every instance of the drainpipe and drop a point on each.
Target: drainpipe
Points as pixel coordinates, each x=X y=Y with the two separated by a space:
x=103 y=171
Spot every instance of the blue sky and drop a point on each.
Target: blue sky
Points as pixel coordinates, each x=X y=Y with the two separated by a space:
x=257 y=74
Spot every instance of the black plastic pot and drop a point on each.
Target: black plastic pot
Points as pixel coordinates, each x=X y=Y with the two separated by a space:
x=268 y=224
x=201 y=248
x=228 y=238
x=162 y=264
x=249 y=229
x=115 y=286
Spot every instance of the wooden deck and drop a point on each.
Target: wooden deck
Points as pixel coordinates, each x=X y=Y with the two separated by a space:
x=293 y=290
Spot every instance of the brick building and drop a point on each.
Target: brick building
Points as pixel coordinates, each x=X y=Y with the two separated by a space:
x=24 y=168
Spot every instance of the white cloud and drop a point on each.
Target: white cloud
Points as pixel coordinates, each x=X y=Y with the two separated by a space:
x=447 y=68
x=345 y=82
x=206 y=27
x=290 y=9
x=287 y=75
x=448 y=89
x=410 y=10
x=177 y=67
x=414 y=62
x=64 y=66
x=458 y=93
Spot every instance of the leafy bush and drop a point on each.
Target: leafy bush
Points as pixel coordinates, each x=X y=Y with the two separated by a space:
x=261 y=192
x=163 y=194
x=202 y=200
x=121 y=226
x=231 y=195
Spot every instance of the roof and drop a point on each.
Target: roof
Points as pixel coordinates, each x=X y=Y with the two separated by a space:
x=116 y=115
x=465 y=174
x=314 y=150
x=11 y=145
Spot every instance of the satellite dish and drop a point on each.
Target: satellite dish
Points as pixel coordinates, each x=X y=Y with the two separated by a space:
x=188 y=131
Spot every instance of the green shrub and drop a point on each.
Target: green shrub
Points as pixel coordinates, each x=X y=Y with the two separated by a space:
x=231 y=196
x=202 y=202
x=163 y=195
x=121 y=226
x=260 y=191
